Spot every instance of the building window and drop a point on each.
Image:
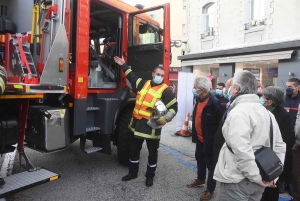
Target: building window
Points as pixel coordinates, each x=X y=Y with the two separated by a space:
x=256 y=13
x=208 y=20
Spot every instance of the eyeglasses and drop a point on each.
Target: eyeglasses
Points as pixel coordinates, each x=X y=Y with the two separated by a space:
x=161 y=75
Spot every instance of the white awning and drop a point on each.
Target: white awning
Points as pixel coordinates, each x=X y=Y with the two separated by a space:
x=243 y=58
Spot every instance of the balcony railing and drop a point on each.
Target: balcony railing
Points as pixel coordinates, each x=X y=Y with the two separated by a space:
x=207 y=34
x=255 y=23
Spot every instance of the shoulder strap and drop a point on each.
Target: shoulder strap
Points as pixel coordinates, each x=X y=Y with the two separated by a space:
x=271 y=136
x=271 y=132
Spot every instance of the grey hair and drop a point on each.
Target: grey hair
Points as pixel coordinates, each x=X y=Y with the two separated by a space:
x=203 y=83
x=246 y=81
x=274 y=94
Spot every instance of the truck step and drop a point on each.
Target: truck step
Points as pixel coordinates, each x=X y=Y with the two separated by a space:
x=90 y=129
x=92 y=108
x=92 y=150
x=24 y=180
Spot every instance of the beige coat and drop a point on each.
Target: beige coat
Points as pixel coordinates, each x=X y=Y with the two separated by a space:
x=246 y=129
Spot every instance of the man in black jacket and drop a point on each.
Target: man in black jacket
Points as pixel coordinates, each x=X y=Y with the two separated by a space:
x=290 y=104
x=219 y=139
x=206 y=117
x=220 y=94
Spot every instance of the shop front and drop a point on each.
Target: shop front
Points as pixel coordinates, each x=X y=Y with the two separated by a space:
x=173 y=78
x=271 y=64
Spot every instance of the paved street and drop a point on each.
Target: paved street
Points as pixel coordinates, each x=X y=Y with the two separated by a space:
x=98 y=177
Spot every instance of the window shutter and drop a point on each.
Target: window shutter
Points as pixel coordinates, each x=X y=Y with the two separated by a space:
x=203 y=23
x=248 y=11
x=262 y=11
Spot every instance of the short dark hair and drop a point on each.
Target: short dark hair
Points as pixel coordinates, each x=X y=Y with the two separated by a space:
x=221 y=84
x=295 y=80
x=158 y=67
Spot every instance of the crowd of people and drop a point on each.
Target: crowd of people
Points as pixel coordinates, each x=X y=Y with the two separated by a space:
x=227 y=148
x=228 y=128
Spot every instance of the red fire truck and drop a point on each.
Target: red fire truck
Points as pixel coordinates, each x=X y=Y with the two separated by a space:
x=63 y=85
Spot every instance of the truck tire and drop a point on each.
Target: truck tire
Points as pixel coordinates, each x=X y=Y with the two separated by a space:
x=124 y=135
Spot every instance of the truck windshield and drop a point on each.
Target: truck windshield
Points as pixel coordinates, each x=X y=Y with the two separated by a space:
x=147 y=34
x=147 y=31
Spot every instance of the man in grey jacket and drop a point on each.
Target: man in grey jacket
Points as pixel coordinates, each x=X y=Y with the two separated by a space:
x=296 y=160
x=245 y=130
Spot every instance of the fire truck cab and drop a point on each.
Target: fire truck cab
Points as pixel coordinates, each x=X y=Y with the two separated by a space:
x=63 y=84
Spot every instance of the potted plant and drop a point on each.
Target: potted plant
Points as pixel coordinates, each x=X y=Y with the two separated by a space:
x=253 y=22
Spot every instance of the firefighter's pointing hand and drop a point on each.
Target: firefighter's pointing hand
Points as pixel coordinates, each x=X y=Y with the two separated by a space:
x=119 y=61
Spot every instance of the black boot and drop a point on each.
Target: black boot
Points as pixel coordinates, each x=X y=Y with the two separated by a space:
x=290 y=189
x=2 y=182
x=149 y=181
x=281 y=186
x=129 y=177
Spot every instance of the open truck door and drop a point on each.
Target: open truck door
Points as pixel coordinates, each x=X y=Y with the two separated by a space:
x=149 y=40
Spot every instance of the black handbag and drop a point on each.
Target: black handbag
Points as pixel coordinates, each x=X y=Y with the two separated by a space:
x=270 y=166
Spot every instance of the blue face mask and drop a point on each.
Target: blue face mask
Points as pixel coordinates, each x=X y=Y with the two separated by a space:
x=262 y=101
x=157 y=79
x=195 y=93
x=289 y=91
x=219 y=91
x=228 y=94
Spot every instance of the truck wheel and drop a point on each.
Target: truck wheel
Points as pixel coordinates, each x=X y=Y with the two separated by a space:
x=124 y=136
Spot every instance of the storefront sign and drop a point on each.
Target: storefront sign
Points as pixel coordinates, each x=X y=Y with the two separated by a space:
x=255 y=71
x=175 y=69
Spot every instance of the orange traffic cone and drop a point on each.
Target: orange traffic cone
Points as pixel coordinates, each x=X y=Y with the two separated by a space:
x=184 y=130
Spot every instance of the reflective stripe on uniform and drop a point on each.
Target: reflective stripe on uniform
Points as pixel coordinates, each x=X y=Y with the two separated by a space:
x=152 y=165
x=147 y=98
x=142 y=112
x=149 y=136
x=137 y=82
x=291 y=108
x=130 y=125
x=171 y=103
x=172 y=110
x=128 y=71
x=133 y=161
x=2 y=85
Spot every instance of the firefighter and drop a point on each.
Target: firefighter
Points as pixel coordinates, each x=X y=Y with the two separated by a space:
x=3 y=80
x=143 y=124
